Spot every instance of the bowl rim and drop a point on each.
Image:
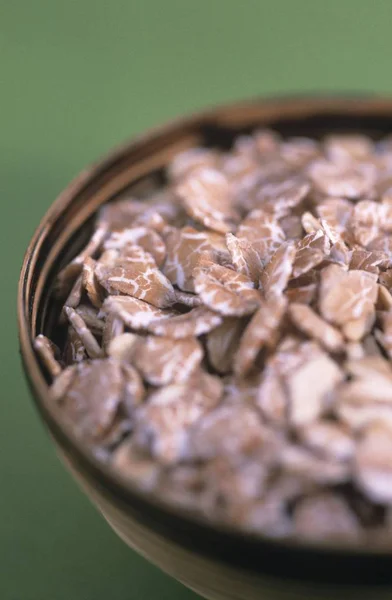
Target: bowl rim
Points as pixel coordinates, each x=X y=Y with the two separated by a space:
x=109 y=481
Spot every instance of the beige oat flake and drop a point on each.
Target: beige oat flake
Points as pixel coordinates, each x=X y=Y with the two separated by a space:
x=304 y=294
x=47 y=351
x=135 y=313
x=337 y=212
x=310 y=252
x=282 y=194
x=272 y=398
x=161 y=362
x=185 y=249
x=90 y=283
x=259 y=333
x=225 y=291
x=329 y=439
x=122 y=347
x=326 y=516
x=315 y=327
x=276 y=274
x=206 y=196
x=231 y=430
x=373 y=464
x=145 y=237
x=225 y=336
x=92 y=398
x=343 y=180
x=245 y=257
x=309 y=388
x=138 y=278
x=345 y=296
x=192 y=324
x=306 y=465
x=83 y=332
x=164 y=420
x=74 y=350
x=263 y=231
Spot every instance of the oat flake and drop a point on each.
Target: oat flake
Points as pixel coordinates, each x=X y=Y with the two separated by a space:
x=162 y=424
x=161 y=362
x=263 y=231
x=206 y=195
x=227 y=336
x=185 y=248
x=135 y=313
x=245 y=257
x=192 y=324
x=315 y=327
x=226 y=292
x=259 y=333
x=92 y=398
x=345 y=296
x=276 y=275
x=138 y=279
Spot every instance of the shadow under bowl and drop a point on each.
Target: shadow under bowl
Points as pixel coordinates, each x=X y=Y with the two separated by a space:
x=216 y=561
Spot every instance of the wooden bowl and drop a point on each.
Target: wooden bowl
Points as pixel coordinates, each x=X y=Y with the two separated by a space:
x=217 y=562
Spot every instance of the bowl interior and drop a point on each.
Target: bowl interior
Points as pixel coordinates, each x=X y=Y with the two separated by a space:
x=147 y=173
x=135 y=170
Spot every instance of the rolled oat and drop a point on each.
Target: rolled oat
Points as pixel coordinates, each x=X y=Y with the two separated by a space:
x=228 y=337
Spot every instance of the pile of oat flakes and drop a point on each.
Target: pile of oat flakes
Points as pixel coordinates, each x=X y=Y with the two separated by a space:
x=229 y=336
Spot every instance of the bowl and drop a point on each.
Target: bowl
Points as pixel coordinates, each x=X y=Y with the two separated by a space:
x=218 y=562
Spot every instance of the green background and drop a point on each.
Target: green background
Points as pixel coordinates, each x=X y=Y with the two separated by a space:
x=77 y=77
